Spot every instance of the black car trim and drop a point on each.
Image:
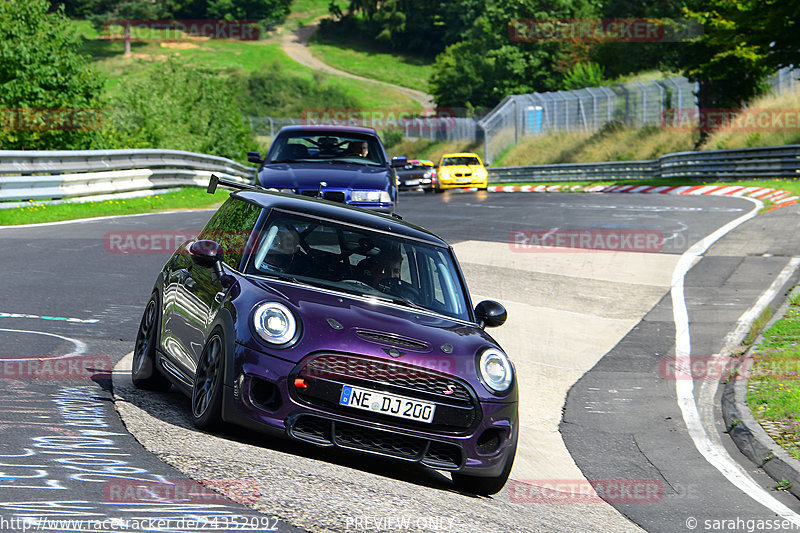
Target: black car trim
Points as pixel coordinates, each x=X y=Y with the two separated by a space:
x=327 y=435
x=358 y=226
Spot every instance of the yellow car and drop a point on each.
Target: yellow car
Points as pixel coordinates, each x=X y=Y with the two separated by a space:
x=461 y=170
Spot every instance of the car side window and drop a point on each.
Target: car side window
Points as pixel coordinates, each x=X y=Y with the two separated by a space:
x=231 y=227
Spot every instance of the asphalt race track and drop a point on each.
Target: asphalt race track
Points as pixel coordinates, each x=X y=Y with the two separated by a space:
x=593 y=327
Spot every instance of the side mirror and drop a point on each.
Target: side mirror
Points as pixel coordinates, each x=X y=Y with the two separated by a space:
x=399 y=161
x=206 y=253
x=254 y=157
x=490 y=314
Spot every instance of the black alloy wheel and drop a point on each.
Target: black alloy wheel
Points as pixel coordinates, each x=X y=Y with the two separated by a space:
x=143 y=368
x=207 y=390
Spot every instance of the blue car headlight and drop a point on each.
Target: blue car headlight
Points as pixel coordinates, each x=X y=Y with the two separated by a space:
x=370 y=196
x=495 y=371
x=275 y=324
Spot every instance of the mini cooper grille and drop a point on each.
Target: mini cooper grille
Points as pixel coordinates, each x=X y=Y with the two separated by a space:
x=386 y=372
x=343 y=434
x=391 y=340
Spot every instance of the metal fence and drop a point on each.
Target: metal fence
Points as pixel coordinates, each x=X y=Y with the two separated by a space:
x=442 y=128
x=38 y=175
x=587 y=110
x=774 y=162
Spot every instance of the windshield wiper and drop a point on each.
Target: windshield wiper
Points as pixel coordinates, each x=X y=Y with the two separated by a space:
x=396 y=300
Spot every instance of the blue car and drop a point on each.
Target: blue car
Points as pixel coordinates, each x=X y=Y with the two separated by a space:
x=339 y=163
x=334 y=326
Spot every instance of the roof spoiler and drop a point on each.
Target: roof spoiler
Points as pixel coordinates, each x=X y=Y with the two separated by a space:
x=216 y=180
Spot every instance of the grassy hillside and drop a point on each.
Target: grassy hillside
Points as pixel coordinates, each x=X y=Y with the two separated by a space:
x=348 y=52
x=619 y=143
x=243 y=56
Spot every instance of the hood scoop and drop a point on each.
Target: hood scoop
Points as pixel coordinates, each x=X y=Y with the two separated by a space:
x=393 y=340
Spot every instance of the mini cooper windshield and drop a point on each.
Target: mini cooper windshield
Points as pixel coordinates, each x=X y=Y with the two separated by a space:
x=359 y=261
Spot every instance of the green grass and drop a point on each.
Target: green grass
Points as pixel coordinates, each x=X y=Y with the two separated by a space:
x=773 y=392
x=306 y=11
x=223 y=55
x=188 y=198
x=363 y=57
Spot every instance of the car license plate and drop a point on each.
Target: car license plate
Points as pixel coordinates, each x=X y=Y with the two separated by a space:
x=410 y=183
x=464 y=180
x=388 y=404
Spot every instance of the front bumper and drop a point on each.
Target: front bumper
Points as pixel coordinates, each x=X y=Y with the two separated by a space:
x=422 y=183
x=262 y=398
x=455 y=184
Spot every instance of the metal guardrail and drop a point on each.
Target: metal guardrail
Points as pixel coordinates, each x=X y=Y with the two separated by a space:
x=38 y=175
x=31 y=175
x=774 y=162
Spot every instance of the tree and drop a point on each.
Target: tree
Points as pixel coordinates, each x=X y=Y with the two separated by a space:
x=123 y=13
x=49 y=95
x=270 y=11
x=424 y=27
x=731 y=60
x=488 y=65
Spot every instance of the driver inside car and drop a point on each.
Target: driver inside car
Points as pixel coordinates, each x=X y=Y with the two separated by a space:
x=384 y=266
x=285 y=253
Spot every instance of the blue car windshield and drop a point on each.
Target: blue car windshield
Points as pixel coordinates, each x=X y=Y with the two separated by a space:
x=359 y=261
x=313 y=146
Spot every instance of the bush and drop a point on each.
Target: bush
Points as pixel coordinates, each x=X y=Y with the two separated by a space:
x=391 y=138
x=181 y=108
x=272 y=91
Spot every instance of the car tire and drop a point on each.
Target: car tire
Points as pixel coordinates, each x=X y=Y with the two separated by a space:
x=427 y=191
x=485 y=486
x=208 y=382
x=144 y=373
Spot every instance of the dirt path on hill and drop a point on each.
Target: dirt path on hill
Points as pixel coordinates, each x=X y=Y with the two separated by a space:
x=295 y=44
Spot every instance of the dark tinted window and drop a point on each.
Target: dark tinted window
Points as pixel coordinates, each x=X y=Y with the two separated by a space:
x=231 y=226
x=462 y=160
x=360 y=261
x=307 y=146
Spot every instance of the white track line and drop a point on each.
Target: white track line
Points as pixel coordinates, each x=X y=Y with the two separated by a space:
x=713 y=452
x=80 y=346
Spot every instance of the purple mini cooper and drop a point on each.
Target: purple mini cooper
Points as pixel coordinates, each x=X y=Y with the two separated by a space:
x=336 y=326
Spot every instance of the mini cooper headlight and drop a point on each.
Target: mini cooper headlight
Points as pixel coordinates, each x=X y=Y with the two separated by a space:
x=370 y=196
x=274 y=323
x=495 y=371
